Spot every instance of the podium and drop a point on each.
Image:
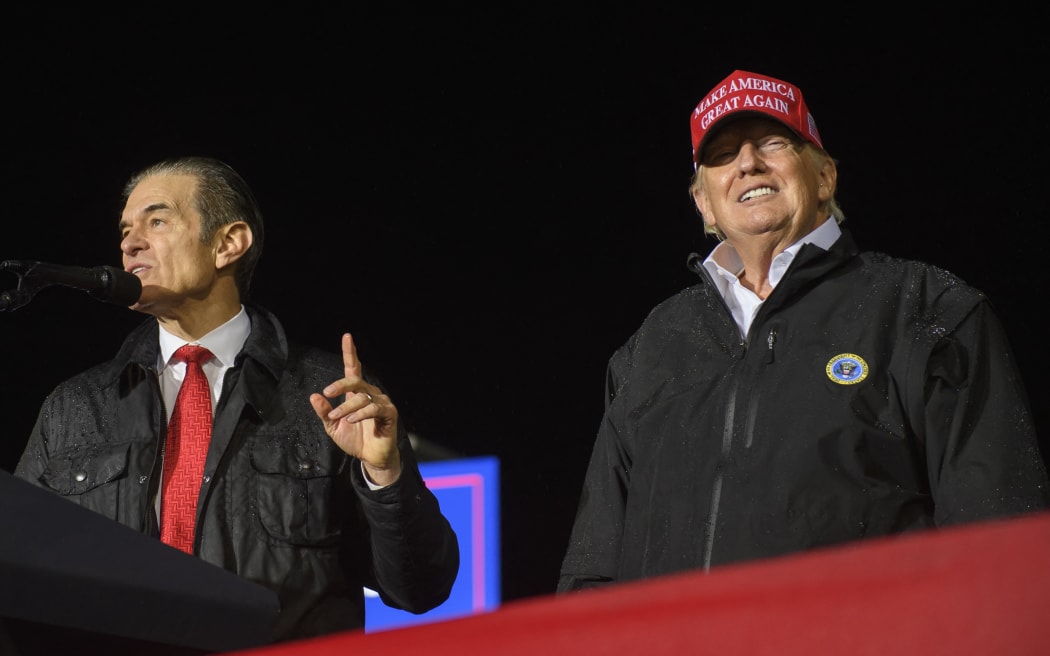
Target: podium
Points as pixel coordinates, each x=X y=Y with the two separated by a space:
x=71 y=579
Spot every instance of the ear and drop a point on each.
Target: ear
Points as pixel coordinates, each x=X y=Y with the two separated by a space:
x=231 y=242
x=828 y=177
x=703 y=205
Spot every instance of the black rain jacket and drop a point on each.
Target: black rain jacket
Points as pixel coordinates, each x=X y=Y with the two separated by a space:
x=281 y=505
x=872 y=396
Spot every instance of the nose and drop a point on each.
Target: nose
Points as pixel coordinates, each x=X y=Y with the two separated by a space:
x=132 y=243
x=749 y=158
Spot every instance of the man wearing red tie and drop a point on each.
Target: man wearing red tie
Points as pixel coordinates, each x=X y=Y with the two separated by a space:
x=211 y=430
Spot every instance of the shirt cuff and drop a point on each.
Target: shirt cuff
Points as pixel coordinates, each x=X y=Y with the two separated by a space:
x=368 y=481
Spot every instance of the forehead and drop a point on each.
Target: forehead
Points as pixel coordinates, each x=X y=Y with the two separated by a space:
x=161 y=191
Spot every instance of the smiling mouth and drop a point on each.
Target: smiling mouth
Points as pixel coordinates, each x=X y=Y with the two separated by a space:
x=138 y=270
x=755 y=193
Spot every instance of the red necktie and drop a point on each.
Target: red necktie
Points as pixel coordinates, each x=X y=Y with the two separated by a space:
x=186 y=447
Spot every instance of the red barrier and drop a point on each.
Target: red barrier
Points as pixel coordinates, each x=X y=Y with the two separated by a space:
x=978 y=589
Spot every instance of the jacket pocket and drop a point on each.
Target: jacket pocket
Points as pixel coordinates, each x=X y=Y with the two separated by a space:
x=89 y=475
x=294 y=492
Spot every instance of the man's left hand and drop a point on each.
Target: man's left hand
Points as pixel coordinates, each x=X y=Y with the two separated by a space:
x=364 y=425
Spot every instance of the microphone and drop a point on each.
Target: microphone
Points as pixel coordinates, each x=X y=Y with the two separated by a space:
x=695 y=262
x=105 y=283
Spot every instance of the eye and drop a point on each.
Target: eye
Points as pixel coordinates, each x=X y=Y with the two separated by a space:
x=719 y=155
x=774 y=143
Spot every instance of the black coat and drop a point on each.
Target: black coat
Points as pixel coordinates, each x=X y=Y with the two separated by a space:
x=281 y=505
x=872 y=396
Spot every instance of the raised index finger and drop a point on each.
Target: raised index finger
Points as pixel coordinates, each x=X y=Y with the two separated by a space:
x=351 y=365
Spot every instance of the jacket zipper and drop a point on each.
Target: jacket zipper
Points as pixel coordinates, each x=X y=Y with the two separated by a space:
x=729 y=425
x=716 y=487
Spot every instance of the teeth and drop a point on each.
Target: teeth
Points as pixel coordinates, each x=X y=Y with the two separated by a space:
x=755 y=193
x=137 y=269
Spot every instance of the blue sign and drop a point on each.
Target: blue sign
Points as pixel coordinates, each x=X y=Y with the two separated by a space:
x=468 y=491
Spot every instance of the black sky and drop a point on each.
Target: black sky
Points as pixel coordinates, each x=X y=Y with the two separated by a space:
x=491 y=199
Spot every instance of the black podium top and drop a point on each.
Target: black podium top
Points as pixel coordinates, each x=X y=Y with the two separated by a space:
x=67 y=573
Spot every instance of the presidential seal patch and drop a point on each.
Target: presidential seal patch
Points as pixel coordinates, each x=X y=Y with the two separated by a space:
x=847 y=369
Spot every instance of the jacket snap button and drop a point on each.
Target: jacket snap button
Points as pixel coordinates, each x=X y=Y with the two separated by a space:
x=80 y=476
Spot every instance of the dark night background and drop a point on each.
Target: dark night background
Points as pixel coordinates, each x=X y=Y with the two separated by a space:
x=491 y=199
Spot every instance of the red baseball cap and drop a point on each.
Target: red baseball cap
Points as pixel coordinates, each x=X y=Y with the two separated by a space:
x=745 y=93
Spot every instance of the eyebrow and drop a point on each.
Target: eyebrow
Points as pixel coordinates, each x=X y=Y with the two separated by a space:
x=148 y=209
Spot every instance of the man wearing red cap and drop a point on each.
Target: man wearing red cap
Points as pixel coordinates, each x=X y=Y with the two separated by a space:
x=803 y=393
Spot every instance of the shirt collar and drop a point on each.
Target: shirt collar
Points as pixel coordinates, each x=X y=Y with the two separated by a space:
x=225 y=342
x=724 y=263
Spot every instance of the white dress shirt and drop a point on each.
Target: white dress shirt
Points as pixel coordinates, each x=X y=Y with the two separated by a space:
x=725 y=266
x=225 y=342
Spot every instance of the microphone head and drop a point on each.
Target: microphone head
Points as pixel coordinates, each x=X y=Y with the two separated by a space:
x=15 y=266
x=119 y=286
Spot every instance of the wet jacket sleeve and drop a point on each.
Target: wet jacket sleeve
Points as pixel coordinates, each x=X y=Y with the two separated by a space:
x=593 y=553
x=982 y=451
x=34 y=458
x=415 y=552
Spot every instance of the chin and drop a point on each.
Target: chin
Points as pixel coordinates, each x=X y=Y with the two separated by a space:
x=146 y=303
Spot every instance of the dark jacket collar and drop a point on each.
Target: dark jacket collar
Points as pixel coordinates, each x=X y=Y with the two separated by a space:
x=261 y=361
x=812 y=260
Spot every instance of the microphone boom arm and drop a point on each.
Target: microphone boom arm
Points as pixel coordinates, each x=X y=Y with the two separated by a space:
x=103 y=283
x=27 y=286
